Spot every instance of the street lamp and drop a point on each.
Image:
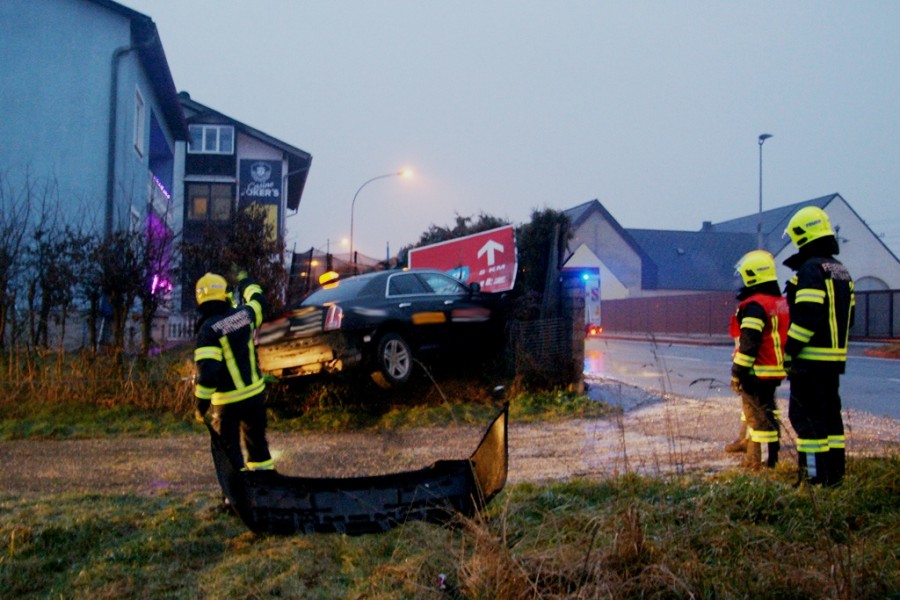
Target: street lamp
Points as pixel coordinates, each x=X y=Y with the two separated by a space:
x=759 y=241
x=403 y=173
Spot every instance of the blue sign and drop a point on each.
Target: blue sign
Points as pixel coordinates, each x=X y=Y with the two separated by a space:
x=260 y=182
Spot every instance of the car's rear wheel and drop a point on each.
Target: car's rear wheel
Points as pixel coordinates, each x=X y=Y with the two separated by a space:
x=394 y=361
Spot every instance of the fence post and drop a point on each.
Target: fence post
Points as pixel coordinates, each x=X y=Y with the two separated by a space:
x=573 y=311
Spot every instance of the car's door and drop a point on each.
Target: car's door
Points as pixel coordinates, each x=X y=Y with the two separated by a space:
x=423 y=311
x=465 y=316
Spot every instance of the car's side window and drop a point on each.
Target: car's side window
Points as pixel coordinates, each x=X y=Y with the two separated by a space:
x=443 y=285
x=405 y=285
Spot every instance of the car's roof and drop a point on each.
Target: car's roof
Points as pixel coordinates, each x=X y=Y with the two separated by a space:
x=352 y=286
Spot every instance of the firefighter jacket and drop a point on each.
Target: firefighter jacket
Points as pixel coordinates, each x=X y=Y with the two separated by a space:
x=822 y=303
x=761 y=324
x=225 y=353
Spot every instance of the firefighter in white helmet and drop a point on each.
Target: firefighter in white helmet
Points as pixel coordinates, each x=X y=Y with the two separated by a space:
x=821 y=302
x=760 y=325
x=228 y=378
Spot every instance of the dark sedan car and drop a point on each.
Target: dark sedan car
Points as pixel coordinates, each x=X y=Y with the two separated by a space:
x=381 y=321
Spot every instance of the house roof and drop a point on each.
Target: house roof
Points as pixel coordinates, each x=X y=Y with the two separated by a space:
x=145 y=39
x=299 y=161
x=701 y=260
x=690 y=260
x=774 y=222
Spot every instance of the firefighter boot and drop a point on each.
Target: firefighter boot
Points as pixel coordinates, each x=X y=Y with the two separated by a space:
x=772 y=458
x=834 y=474
x=811 y=467
x=739 y=445
x=753 y=456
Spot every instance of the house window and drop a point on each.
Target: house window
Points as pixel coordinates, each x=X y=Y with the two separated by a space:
x=211 y=139
x=138 y=123
x=210 y=201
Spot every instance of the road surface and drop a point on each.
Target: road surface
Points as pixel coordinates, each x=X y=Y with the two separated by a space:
x=702 y=371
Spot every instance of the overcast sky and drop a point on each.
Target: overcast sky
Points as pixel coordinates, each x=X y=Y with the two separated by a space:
x=504 y=107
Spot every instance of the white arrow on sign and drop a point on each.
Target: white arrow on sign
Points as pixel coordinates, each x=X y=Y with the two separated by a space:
x=489 y=248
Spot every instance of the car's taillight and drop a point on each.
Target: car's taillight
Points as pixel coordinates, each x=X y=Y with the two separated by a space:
x=333 y=317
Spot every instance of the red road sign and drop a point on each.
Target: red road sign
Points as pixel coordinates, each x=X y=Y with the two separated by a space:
x=488 y=258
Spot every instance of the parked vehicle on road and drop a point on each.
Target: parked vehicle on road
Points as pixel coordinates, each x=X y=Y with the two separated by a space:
x=384 y=322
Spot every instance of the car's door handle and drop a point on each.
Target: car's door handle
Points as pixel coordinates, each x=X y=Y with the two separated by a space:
x=448 y=301
x=404 y=305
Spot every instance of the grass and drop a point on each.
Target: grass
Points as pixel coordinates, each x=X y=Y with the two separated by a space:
x=85 y=396
x=733 y=535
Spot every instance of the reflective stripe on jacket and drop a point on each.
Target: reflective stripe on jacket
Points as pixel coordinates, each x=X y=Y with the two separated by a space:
x=762 y=320
x=822 y=303
x=225 y=355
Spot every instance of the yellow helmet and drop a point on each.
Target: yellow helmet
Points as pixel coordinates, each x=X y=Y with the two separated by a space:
x=755 y=267
x=808 y=224
x=211 y=287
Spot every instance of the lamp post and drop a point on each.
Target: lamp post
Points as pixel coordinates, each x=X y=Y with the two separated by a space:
x=403 y=173
x=759 y=241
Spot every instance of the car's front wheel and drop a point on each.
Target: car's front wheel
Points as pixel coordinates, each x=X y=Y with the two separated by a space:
x=394 y=361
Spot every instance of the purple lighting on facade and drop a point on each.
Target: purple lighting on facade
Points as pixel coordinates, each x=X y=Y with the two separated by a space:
x=159 y=241
x=162 y=188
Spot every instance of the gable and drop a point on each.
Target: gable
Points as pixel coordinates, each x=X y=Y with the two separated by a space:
x=610 y=286
x=595 y=227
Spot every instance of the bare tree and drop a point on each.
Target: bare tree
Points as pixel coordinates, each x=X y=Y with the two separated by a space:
x=158 y=260
x=119 y=272
x=14 y=218
x=247 y=243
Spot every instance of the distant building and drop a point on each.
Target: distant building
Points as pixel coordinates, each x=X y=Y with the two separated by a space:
x=663 y=281
x=640 y=263
x=228 y=166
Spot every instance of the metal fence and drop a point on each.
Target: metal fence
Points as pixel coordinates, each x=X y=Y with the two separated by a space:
x=877 y=314
x=694 y=314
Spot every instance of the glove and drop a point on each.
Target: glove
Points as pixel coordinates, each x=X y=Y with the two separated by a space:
x=200 y=410
x=735 y=385
x=242 y=282
x=749 y=384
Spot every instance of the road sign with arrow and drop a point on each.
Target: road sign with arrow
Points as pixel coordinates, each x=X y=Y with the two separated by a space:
x=488 y=258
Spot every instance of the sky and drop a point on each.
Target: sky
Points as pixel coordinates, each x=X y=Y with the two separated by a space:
x=506 y=107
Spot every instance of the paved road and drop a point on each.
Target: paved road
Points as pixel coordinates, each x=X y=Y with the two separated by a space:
x=702 y=371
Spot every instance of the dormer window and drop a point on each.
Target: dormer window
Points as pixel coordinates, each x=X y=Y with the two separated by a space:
x=211 y=139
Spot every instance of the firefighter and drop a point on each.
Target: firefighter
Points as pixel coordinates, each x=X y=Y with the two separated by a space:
x=228 y=377
x=821 y=300
x=760 y=325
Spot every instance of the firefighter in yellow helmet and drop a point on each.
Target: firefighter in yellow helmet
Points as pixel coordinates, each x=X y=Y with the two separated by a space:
x=821 y=301
x=228 y=378
x=760 y=325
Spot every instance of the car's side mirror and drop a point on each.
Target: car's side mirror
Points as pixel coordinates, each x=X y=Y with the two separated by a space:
x=474 y=288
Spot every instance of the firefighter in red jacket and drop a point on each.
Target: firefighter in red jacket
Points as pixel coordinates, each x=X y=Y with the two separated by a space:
x=821 y=301
x=228 y=377
x=760 y=324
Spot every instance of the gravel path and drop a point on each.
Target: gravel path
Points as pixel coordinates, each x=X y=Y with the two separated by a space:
x=655 y=434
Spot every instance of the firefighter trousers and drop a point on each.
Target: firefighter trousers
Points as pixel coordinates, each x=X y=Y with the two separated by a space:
x=758 y=405
x=815 y=415
x=244 y=421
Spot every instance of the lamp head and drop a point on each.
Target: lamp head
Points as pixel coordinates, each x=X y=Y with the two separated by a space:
x=763 y=137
